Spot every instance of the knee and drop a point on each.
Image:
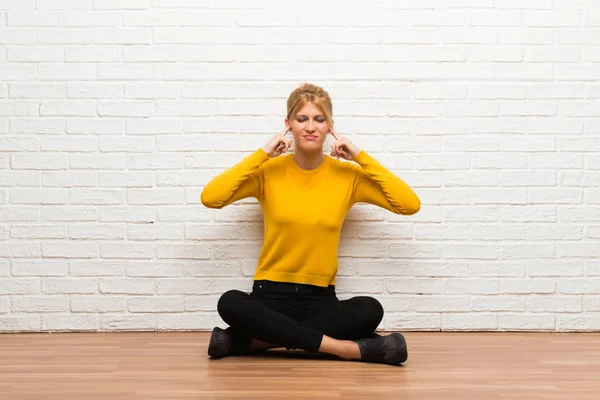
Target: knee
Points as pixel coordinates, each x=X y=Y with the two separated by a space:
x=228 y=303
x=372 y=310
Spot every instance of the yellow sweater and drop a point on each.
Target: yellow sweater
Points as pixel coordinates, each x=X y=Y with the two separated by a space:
x=304 y=210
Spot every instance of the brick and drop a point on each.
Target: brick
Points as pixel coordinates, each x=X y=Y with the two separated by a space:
x=94 y=90
x=68 y=109
x=498 y=196
x=104 y=126
x=186 y=286
x=65 y=249
x=96 y=268
x=128 y=214
x=95 y=196
x=155 y=196
x=496 y=269
x=93 y=232
x=20 y=286
x=562 y=268
x=498 y=303
x=577 y=323
x=470 y=214
x=126 y=108
x=201 y=303
x=155 y=232
x=38 y=126
x=184 y=214
x=127 y=250
x=125 y=36
x=38 y=232
x=64 y=4
x=554 y=54
x=436 y=269
x=126 y=179
x=185 y=321
x=554 y=304
x=121 y=4
x=152 y=91
x=526 y=286
x=470 y=251
x=61 y=322
x=40 y=304
x=66 y=72
x=212 y=268
x=98 y=304
x=155 y=304
x=469 y=322
x=43 y=161
x=127 y=286
x=102 y=161
x=155 y=53
x=154 y=269
x=71 y=143
x=65 y=214
x=525 y=322
x=37 y=18
x=413 y=321
x=440 y=126
x=18 y=108
x=127 y=144
x=92 y=19
x=39 y=268
x=14 y=214
x=155 y=161
x=64 y=36
x=69 y=178
x=129 y=323
x=37 y=91
x=124 y=72
x=69 y=286
x=154 y=18
x=442 y=304
x=20 y=323
x=19 y=249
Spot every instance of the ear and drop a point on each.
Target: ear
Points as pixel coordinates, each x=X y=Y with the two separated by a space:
x=287 y=124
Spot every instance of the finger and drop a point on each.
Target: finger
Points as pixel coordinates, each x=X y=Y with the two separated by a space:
x=334 y=151
x=334 y=133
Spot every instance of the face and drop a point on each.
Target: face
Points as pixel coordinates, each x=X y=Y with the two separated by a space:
x=309 y=127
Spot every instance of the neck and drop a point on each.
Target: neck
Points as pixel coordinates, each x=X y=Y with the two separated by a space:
x=309 y=160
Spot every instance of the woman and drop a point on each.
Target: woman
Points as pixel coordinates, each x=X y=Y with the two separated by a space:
x=305 y=198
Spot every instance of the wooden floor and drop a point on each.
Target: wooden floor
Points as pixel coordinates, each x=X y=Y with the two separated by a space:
x=149 y=365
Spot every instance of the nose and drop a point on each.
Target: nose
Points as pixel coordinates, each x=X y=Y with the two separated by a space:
x=310 y=126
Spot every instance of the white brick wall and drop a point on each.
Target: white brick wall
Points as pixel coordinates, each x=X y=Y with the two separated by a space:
x=114 y=114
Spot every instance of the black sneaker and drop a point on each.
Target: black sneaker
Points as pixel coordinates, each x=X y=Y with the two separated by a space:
x=220 y=343
x=390 y=349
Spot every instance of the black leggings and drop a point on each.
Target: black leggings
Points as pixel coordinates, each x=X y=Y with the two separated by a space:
x=297 y=316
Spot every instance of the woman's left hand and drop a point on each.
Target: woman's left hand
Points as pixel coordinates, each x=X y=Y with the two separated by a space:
x=343 y=147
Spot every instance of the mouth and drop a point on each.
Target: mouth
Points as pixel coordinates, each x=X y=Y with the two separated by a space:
x=310 y=137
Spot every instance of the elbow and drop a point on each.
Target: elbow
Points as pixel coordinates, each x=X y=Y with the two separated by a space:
x=208 y=201
x=412 y=207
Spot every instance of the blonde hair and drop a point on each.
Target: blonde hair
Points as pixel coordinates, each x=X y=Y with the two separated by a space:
x=306 y=93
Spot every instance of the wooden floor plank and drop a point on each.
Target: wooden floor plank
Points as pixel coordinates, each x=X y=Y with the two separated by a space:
x=174 y=365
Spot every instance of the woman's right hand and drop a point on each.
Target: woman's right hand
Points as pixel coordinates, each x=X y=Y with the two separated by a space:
x=278 y=144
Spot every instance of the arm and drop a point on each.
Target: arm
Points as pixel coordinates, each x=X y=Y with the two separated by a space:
x=377 y=185
x=238 y=182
